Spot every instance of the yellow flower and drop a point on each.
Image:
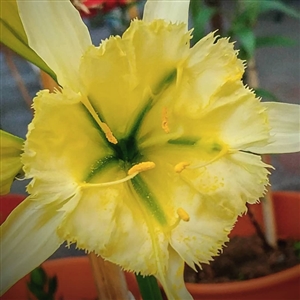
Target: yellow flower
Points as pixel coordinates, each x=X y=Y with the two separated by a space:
x=146 y=155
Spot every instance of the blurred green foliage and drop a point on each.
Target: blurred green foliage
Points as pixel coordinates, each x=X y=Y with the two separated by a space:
x=41 y=285
x=239 y=22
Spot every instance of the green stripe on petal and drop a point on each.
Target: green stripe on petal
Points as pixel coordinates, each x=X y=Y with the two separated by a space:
x=149 y=199
x=27 y=239
x=169 y=10
x=184 y=141
x=66 y=36
x=14 y=37
x=285 y=129
x=10 y=160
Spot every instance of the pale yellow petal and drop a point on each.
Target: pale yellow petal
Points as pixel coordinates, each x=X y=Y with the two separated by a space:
x=172 y=281
x=284 y=129
x=169 y=10
x=28 y=237
x=57 y=34
x=10 y=160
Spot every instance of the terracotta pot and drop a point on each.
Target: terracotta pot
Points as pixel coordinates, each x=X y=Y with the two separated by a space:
x=280 y=286
x=284 y=285
x=74 y=277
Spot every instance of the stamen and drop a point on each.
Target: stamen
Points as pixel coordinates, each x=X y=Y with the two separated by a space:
x=108 y=133
x=183 y=215
x=221 y=153
x=181 y=166
x=109 y=183
x=144 y=166
x=141 y=167
x=164 y=123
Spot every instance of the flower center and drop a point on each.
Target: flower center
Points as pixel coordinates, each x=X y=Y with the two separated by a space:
x=125 y=156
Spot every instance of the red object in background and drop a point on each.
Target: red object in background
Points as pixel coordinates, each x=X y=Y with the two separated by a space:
x=8 y=203
x=104 y=5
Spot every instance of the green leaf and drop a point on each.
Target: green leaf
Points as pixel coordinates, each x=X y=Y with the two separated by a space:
x=201 y=18
x=269 y=41
x=37 y=291
x=248 y=12
x=38 y=277
x=148 y=287
x=279 y=6
x=265 y=94
x=246 y=38
x=14 y=37
x=42 y=286
x=52 y=285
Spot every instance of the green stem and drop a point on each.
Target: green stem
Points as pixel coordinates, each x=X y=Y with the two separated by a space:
x=149 y=288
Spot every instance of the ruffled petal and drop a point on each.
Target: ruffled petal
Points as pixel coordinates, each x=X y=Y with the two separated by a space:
x=234 y=106
x=211 y=64
x=10 y=160
x=61 y=132
x=198 y=106
x=57 y=34
x=212 y=196
x=284 y=129
x=173 y=11
x=28 y=237
x=118 y=220
x=144 y=50
x=232 y=180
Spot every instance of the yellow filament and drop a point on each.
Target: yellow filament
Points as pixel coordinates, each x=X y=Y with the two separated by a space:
x=181 y=166
x=164 y=123
x=183 y=215
x=141 y=167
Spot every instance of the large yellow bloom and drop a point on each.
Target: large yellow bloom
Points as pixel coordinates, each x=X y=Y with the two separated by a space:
x=146 y=155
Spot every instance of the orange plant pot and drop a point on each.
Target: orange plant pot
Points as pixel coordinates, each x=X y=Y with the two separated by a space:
x=75 y=281
x=284 y=285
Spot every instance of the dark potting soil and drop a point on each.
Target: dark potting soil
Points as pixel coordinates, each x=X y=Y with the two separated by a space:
x=246 y=258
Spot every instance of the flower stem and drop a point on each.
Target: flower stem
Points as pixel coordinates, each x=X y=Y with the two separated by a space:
x=109 y=279
x=267 y=202
x=149 y=288
x=8 y=56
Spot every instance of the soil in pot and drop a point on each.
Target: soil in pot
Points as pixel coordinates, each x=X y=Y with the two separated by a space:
x=246 y=257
